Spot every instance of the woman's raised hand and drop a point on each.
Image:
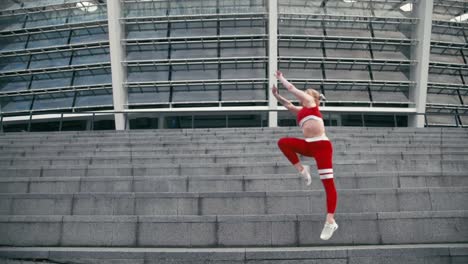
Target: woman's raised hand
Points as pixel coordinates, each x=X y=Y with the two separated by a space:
x=274 y=90
x=278 y=74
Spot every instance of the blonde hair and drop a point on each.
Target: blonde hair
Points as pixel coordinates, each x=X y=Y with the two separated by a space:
x=314 y=94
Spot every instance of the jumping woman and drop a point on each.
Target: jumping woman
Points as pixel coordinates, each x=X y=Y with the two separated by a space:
x=315 y=144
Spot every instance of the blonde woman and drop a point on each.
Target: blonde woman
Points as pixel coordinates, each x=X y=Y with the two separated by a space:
x=315 y=144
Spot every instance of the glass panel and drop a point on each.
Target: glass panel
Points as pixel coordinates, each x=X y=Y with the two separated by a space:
x=196 y=73
x=74 y=125
x=48 y=60
x=150 y=95
x=104 y=124
x=316 y=52
x=242 y=49
x=143 y=122
x=351 y=120
x=244 y=92
x=14 y=83
x=179 y=122
x=210 y=121
x=146 y=30
x=195 y=94
x=245 y=121
x=79 y=16
x=446 y=55
x=45 y=126
x=48 y=39
x=379 y=120
x=355 y=8
x=94 y=98
x=49 y=81
x=242 y=71
x=10 y=23
x=348 y=96
x=53 y=101
x=146 y=8
x=441 y=120
x=446 y=99
x=193 y=29
x=242 y=27
x=390 y=95
x=241 y=6
x=23 y=127
x=35 y=3
x=399 y=74
x=300 y=27
x=347 y=29
x=95 y=77
x=391 y=52
x=15 y=104
x=147 y=52
x=198 y=50
x=14 y=63
x=9 y=5
x=42 y=19
x=148 y=74
x=182 y=7
x=464 y=120
x=358 y=51
x=92 y=34
x=445 y=78
x=300 y=6
x=90 y=56
x=347 y=74
x=13 y=43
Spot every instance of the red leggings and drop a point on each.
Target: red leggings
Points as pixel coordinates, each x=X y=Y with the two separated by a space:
x=322 y=152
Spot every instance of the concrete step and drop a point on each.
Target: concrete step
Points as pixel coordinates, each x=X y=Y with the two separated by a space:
x=226 y=183
x=404 y=253
x=232 y=231
x=234 y=150
x=231 y=148
x=175 y=170
x=220 y=142
x=156 y=158
x=241 y=131
x=359 y=138
x=234 y=203
x=340 y=167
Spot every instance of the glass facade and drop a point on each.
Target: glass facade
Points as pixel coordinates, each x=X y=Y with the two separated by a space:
x=213 y=54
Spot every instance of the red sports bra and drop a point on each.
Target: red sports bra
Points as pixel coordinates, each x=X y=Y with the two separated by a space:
x=307 y=113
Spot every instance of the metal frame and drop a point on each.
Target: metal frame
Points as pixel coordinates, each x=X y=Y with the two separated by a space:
x=347 y=18
x=346 y=39
x=56 y=49
x=54 y=28
x=43 y=8
x=194 y=18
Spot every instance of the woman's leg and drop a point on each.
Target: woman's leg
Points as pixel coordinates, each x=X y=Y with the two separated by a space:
x=290 y=147
x=324 y=159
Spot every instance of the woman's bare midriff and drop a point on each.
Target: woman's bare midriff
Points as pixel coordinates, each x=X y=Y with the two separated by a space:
x=313 y=128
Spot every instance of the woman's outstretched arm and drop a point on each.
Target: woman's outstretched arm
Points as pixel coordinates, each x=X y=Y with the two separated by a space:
x=285 y=102
x=300 y=95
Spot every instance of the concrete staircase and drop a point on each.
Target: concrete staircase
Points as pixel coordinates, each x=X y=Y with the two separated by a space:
x=229 y=196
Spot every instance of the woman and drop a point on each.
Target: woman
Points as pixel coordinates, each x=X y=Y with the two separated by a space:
x=315 y=144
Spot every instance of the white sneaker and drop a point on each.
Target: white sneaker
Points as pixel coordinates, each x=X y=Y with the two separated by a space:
x=328 y=230
x=306 y=174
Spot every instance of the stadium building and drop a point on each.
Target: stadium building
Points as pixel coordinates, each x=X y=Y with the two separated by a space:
x=75 y=65
x=157 y=138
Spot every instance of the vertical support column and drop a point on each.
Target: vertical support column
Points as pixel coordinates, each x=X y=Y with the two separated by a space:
x=420 y=53
x=161 y=122
x=272 y=60
x=119 y=74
